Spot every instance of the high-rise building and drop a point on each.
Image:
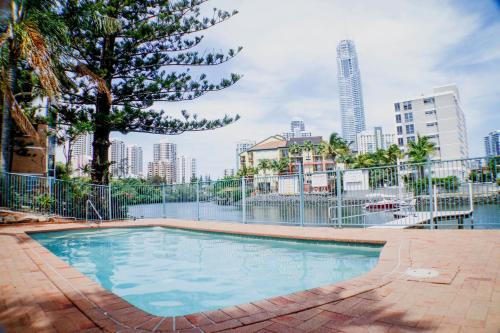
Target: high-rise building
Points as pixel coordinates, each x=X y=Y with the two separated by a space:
x=118 y=158
x=297 y=130
x=350 y=93
x=370 y=140
x=164 y=151
x=438 y=116
x=492 y=144
x=164 y=169
x=134 y=161
x=186 y=169
x=242 y=146
x=83 y=145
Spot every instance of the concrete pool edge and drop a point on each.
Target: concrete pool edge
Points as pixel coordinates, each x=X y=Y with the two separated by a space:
x=112 y=313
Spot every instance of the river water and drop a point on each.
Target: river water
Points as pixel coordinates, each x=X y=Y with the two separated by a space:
x=486 y=216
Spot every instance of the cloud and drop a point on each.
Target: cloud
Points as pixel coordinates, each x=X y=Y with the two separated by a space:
x=289 y=66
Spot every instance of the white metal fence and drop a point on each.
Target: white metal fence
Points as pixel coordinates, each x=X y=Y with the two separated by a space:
x=441 y=194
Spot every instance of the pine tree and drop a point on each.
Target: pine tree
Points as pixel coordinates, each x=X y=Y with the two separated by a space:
x=138 y=52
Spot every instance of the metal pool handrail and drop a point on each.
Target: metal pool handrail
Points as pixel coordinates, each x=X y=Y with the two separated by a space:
x=88 y=202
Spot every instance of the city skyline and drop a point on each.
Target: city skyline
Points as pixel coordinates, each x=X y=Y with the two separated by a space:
x=399 y=55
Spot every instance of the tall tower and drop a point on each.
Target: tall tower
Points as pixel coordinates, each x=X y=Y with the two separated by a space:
x=134 y=160
x=351 y=96
x=118 y=158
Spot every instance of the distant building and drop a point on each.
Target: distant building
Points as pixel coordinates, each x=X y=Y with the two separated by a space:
x=78 y=164
x=118 y=158
x=186 y=169
x=229 y=172
x=166 y=151
x=297 y=130
x=134 y=161
x=164 y=169
x=83 y=145
x=370 y=141
x=438 y=116
x=352 y=109
x=242 y=146
x=492 y=144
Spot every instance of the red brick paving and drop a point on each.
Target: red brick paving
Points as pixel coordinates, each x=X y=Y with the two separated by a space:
x=40 y=293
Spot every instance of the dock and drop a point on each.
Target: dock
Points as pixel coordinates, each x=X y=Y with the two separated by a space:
x=414 y=219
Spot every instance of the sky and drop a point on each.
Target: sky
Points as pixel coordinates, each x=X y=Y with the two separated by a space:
x=288 y=63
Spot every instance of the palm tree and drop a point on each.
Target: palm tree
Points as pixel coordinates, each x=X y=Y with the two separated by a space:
x=33 y=34
x=295 y=149
x=394 y=153
x=264 y=165
x=419 y=151
x=363 y=161
x=281 y=165
x=335 y=147
x=308 y=147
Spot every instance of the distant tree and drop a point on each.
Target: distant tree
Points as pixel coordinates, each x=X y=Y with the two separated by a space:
x=295 y=149
x=363 y=161
x=335 y=147
x=264 y=165
x=130 y=47
x=280 y=166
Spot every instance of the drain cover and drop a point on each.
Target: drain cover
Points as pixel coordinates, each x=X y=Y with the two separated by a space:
x=422 y=272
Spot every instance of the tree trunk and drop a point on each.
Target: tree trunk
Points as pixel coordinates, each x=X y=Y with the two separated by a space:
x=100 y=159
x=6 y=113
x=100 y=162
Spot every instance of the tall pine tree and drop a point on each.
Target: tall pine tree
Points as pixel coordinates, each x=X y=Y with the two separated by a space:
x=128 y=54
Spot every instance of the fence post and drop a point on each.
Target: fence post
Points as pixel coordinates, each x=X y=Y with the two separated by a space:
x=198 y=199
x=431 y=193
x=110 y=203
x=244 y=199
x=163 y=201
x=338 y=189
x=301 y=187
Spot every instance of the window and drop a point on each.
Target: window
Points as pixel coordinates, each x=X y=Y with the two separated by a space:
x=398 y=118
x=400 y=142
x=397 y=107
x=432 y=124
x=410 y=139
x=433 y=136
x=400 y=130
x=430 y=112
x=410 y=129
x=408 y=117
x=407 y=105
x=428 y=100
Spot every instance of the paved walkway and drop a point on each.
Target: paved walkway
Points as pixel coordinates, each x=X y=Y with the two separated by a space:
x=40 y=293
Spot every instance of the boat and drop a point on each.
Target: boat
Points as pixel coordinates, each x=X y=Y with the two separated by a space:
x=386 y=203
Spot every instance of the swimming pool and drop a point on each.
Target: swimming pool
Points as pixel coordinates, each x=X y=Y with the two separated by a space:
x=171 y=272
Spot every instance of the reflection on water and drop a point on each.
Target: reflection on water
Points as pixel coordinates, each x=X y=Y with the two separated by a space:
x=173 y=272
x=486 y=216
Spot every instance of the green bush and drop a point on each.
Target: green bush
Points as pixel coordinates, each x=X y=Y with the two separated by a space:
x=421 y=186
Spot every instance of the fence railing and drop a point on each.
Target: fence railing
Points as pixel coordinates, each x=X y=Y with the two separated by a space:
x=459 y=193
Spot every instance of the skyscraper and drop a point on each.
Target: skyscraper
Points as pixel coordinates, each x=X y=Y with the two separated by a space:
x=134 y=160
x=118 y=158
x=186 y=169
x=82 y=153
x=350 y=93
x=492 y=144
x=164 y=151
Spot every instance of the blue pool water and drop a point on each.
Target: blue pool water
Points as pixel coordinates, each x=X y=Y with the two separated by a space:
x=171 y=272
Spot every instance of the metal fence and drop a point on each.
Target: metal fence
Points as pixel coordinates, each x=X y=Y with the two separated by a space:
x=438 y=194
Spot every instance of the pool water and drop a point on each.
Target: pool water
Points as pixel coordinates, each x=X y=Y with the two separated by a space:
x=170 y=272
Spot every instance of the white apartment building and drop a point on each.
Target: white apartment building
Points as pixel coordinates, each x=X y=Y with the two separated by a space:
x=134 y=161
x=164 y=169
x=438 y=116
x=118 y=158
x=164 y=151
x=185 y=169
x=83 y=145
x=371 y=140
x=242 y=146
x=492 y=144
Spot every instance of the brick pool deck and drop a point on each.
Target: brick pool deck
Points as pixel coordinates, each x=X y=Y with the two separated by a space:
x=41 y=293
